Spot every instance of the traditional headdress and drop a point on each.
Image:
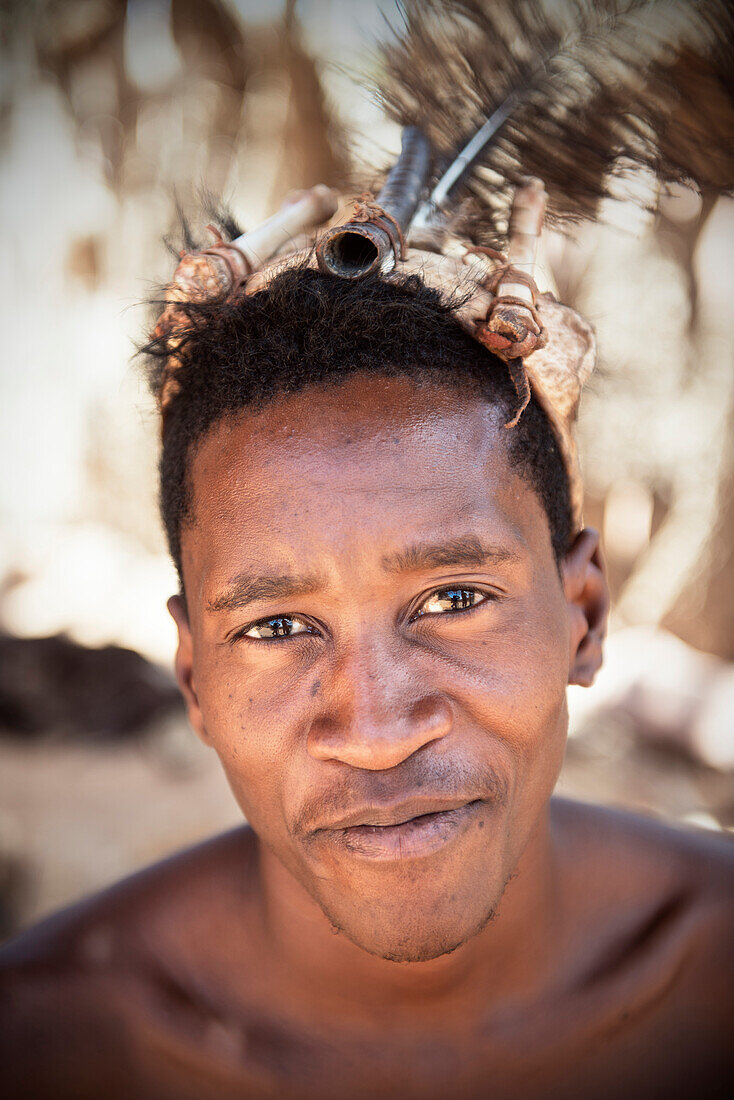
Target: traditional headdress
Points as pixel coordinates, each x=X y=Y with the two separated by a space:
x=513 y=113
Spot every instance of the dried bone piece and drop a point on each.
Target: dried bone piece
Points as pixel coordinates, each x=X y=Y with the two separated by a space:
x=224 y=268
x=513 y=329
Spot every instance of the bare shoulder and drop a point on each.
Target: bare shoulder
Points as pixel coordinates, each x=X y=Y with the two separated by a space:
x=658 y=896
x=135 y=909
x=639 y=849
x=78 y=987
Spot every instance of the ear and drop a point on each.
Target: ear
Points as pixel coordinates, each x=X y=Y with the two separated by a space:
x=185 y=665
x=587 y=595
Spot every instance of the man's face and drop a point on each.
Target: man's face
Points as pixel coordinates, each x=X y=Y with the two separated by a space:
x=378 y=646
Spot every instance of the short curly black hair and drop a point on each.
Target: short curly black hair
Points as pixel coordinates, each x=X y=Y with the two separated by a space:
x=308 y=329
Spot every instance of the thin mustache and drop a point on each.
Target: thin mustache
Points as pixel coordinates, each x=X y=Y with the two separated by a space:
x=390 y=803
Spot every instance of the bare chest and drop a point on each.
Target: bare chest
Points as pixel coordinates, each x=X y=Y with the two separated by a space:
x=556 y=1051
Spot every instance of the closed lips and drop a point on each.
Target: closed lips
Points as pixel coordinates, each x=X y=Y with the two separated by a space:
x=392 y=815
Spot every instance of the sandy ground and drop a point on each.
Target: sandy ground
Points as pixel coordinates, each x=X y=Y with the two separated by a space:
x=74 y=819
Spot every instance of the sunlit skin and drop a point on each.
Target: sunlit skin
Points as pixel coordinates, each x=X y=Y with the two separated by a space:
x=376 y=640
x=382 y=695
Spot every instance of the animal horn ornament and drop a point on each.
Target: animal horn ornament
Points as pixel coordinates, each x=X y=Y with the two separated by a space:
x=494 y=97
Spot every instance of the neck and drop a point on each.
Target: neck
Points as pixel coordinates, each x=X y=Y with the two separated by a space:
x=510 y=958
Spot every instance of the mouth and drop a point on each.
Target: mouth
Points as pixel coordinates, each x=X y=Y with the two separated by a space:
x=399 y=834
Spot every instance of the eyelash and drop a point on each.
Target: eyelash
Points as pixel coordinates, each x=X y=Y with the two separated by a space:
x=486 y=596
x=463 y=589
x=309 y=632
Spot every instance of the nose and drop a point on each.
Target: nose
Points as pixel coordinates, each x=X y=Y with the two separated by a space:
x=374 y=714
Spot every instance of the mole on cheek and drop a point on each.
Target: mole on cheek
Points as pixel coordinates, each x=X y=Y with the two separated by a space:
x=315 y=687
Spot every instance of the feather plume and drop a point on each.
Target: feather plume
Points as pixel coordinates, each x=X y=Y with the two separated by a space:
x=591 y=84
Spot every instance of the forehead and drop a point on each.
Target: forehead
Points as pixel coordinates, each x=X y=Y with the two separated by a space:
x=349 y=471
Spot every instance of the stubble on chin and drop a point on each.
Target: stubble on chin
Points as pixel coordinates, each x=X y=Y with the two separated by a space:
x=415 y=945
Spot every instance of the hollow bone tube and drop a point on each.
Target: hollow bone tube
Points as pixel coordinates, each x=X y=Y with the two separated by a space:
x=356 y=248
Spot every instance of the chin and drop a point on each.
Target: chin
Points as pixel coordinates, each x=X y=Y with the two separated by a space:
x=414 y=932
x=431 y=946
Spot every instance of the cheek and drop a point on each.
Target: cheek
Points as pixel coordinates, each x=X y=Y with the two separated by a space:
x=253 y=718
x=512 y=680
x=536 y=699
x=513 y=687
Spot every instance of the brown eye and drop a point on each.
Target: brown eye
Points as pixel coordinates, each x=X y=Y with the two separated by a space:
x=281 y=626
x=454 y=598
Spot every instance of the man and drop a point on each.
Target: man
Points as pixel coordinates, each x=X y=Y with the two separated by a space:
x=385 y=588
x=383 y=598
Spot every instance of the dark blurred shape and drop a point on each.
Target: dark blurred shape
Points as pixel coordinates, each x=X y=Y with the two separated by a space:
x=66 y=29
x=69 y=37
x=81 y=45
x=55 y=688
x=210 y=39
x=83 y=261
x=15 y=890
x=314 y=145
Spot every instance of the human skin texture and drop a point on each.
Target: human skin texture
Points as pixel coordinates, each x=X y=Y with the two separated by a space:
x=376 y=641
x=382 y=705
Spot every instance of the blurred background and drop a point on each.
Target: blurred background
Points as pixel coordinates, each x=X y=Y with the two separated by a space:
x=109 y=109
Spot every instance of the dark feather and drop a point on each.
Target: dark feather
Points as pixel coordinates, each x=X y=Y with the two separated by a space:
x=220 y=215
x=186 y=239
x=649 y=81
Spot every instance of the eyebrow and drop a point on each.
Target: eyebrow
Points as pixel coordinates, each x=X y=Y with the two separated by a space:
x=246 y=589
x=467 y=551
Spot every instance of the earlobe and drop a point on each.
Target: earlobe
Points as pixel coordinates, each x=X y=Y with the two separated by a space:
x=184 y=665
x=587 y=595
